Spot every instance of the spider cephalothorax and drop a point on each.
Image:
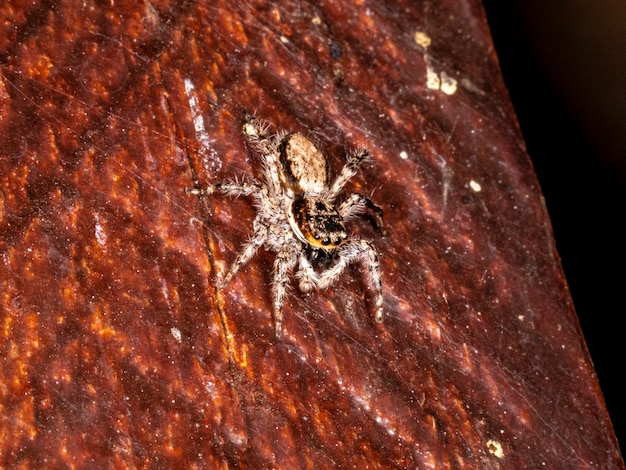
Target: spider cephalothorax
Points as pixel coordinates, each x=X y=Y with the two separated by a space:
x=298 y=217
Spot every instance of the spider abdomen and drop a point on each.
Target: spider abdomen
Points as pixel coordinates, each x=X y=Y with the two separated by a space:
x=303 y=166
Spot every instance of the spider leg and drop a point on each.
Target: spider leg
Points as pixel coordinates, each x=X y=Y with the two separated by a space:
x=256 y=133
x=254 y=129
x=353 y=251
x=230 y=188
x=306 y=275
x=283 y=265
x=356 y=205
x=355 y=159
x=235 y=189
x=248 y=251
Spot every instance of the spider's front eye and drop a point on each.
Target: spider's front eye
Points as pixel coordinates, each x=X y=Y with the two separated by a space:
x=318 y=223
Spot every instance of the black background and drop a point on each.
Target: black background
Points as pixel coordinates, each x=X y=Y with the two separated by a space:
x=581 y=168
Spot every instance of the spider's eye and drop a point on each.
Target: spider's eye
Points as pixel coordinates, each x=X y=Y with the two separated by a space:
x=318 y=223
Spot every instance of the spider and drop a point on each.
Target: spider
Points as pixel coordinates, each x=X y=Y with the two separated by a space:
x=298 y=217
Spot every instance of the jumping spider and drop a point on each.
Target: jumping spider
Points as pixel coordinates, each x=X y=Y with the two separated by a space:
x=298 y=218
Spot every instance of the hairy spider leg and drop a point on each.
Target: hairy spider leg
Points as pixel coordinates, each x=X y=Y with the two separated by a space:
x=353 y=251
x=356 y=205
x=306 y=275
x=247 y=253
x=355 y=159
x=260 y=229
x=230 y=188
x=283 y=265
x=236 y=189
x=256 y=134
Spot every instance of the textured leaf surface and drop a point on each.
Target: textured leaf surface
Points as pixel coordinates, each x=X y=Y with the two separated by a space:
x=118 y=347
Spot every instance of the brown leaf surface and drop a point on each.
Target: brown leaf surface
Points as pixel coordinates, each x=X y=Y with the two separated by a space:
x=119 y=350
